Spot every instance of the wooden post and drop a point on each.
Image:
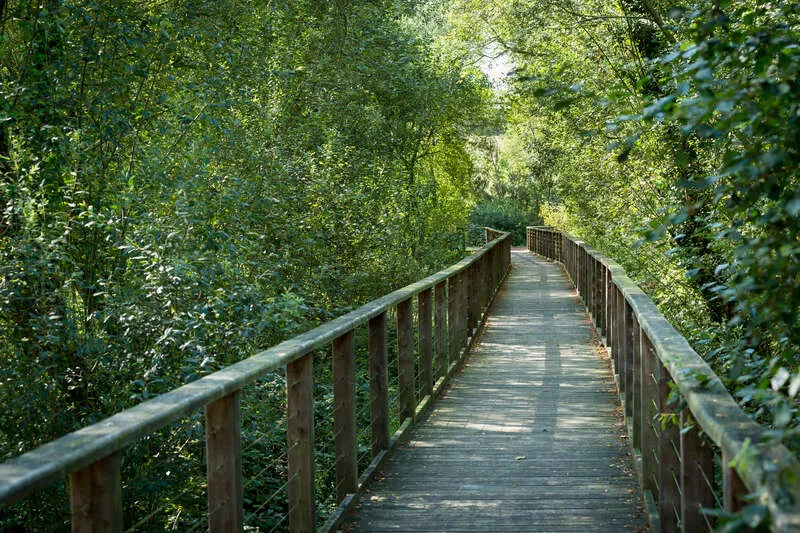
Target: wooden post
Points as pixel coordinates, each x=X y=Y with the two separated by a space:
x=224 y=464
x=405 y=360
x=603 y=283
x=440 y=339
x=464 y=310
x=668 y=449
x=614 y=329
x=621 y=356
x=475 y=296
x=697 y=469
x=649 y=410
x=378 y=385
x=609 y=307
x=344 y=416
x=733 y=488
x=636 y=368
x=627 y=354
x=425 y=333
x=452 y=317
x=300 y=437
x=598 y=294
x=96 y=497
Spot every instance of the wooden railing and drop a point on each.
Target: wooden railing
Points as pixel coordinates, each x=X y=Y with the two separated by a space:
x=450 y=306
x=673 y=439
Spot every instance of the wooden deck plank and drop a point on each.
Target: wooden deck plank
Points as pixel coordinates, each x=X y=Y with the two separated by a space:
x=527 y=438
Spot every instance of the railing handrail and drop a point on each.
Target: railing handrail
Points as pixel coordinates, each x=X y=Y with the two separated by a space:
x=763 y=461
x=51 y=462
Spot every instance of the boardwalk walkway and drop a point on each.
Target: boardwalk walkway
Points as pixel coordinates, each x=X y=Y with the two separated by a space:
x=528 y=437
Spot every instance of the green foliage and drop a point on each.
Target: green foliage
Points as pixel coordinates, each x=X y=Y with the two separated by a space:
x=182 y=183
x=671 y=139
x=503 y=215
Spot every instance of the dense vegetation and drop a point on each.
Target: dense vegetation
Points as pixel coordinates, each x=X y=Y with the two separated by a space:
x=183 y=182
x=669 y=133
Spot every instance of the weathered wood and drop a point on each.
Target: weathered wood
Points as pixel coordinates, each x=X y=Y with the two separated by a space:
x=603 y=283
x=300 y=441
x=425 y=343
x=464 y=308
x=344 y=416
x=378 y=384
x=49 y=463
x=710 y=403
x=440 y=355
x=733 y=488
x=96 y=497
x=649 y=393
x=453 y=322
x=473 y=273
x=405 y=360
x=697 y=470
x=598 y=294
x=508 y=448
x=636 y=370
x=619 y=333
x=628 y=355
x=224 y=464
x=668 y=461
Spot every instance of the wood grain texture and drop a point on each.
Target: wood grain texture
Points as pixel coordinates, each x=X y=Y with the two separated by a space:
x=344 y=416
x=300 y=438
x=526 y=439
x=224 y=464
x=95 y=497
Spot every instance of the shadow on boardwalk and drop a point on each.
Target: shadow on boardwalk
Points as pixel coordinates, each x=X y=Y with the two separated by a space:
x=527 y=438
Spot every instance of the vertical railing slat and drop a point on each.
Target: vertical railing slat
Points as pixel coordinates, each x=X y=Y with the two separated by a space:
x=668 y=449
x=733 y=488
x=697 y=469
x=405 y=359
x=440 y=339
x=378 y=384
x=300 y=439
x=425 y=343
x=628 y=355
x=344 y=416
x=96 y=497
x=453 y=317
x=649 y=394
x=224 y=464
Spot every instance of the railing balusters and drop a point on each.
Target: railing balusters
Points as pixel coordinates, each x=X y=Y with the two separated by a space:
x=344 y=416
x=300 y=439
x=405 y=360
x=463 y=309
x=474 y=297
x=733 y=488
x=379 y=384
x=697 y=466
x=668 y=466
x=95 y=497
x=453 y=301
x=676 y=469
x=425 y=343
x=627 y=356
x=440 y=362
x=649 y=411
x=636 y=371
x=224 y=464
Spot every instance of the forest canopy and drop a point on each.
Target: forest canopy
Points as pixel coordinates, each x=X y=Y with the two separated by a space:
x=666 y=135
x=184 y=182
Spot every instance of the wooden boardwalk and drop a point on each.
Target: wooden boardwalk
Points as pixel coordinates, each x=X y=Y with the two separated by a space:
x=528 y=437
